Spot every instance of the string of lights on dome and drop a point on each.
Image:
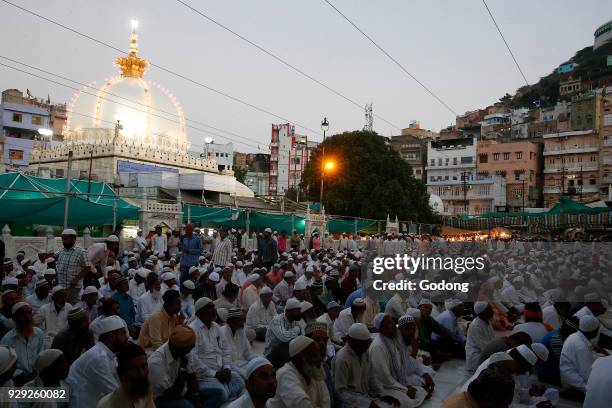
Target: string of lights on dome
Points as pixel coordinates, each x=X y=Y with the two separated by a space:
x=282 y=61
x=162 y=68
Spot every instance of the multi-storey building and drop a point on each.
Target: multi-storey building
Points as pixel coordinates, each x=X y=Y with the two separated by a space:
x=222 y=154
x=414 y=129
x=605 y=145
x=289 y=154
x=519 y=164
x=496 y=125
x=571 y=165
x=414 y=150
x=585 y=111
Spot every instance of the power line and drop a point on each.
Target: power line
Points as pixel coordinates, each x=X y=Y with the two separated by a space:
x=505 y=42
x=390 y=57
x=281 y=60
x=167 y=70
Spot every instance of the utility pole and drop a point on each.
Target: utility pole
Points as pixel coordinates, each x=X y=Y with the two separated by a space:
x=464 y=182
x=580 y=186
x=562 y=180
x=523 y=193
x=89 y=176
x=68 y=185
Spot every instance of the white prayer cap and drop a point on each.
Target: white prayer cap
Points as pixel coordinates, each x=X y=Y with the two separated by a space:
x=329 y=269
x=289 y=274
x=57 y=289
x=299 y=344
x=416 y=313
x=8 y=357
x=309 y=268
x=300 y=284
x=49 y=260
x=109 y=268
x=265 y=290
x=268 y=230
x=24 y=261
x=46 y=358
x=201 y=258
x=333 y=304
x=424 y=301
x=18 y=306
x=527 y=354
x=149 y=262
x=359 y=302
x=404 y=320
x=304 y=306
x=450 y=304
x=239 y=263
x=480 y=307
x=131 y=272
x=588 y=323
x=498 y=357
x=493 y=279
x=89 y=290
x=359 y=331
x=166 y=276
x=112 y=238
x=253 y=277
x=292 y=303
x=592 y=297
x=189 y=284
x=142 y=272
x=201 y=302
x=254 y=364
x=214 y=277
x=109 y=324
x=50 y=272
x=378 y=320
x=69 y=231
x=540 y=350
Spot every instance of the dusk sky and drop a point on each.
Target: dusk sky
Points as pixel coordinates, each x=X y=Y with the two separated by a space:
x=451 y=46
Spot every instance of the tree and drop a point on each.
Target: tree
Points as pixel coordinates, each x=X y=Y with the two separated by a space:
x=240 y=174
x=369 y=179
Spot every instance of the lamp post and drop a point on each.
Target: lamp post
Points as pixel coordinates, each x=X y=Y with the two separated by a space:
x=324 y=128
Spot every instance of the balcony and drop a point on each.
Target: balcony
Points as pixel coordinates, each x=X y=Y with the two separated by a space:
x=567 y=134
x=608 y=142
x=452 y=166
x=572 y=168
x=571 y=190
x=606 y=179
x=572 y=150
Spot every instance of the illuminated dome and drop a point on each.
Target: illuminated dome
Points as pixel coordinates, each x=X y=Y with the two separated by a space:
x=128 y=109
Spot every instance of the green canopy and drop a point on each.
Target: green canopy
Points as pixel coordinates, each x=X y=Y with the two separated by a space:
x=29 y=199
x=566 y=205
x=214 y=216
x=278 y=222
x=348 y=226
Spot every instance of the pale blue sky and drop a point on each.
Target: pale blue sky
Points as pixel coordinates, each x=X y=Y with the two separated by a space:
x=450 y=45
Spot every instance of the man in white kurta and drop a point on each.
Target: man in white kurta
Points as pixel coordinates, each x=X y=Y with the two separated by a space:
x=236 y=340
x=599 y=386
x=349 y=316
x=479 y=334
x=577 y=354
x=261 y=313
x=53 y=317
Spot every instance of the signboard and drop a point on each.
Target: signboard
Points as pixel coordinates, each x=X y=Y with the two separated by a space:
x=131 y=167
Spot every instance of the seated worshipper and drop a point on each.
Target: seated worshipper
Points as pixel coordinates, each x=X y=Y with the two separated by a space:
x=187 y=303
x=592 y=306
x=492 y=389
x=504 y=343
x=89 y=302
x=206 y=286
x=599 y=386
x=300 y=290
x=151 y=301
x=396 y=306
x=133 y=389
x=109 y=307
x=479 y=334
x=455 y=343
x=387 y=370
x=9 y=299
x=333 y=310
x=226 y=277
x=348 y=316
x=549 y=371
x=53 y=317
x=502 y=317
x=156 y=330
x=577 y=356
x=228 y=298
x=250 y=294
x=260 y=384
x=171 y=370
x=52 y=369
x=8 y=365
x=284 y=289
x=555 y=314
x=27 y=341
x=236 y=340
x=301 y=381
x=76 y=338
x=261 y=313
x=40 y=296
x=137 y=283
x=126 y=304
x=309 y=314
x=427 y=325
x=533 y=323
x=283 y=328
x=351 y=372
x=168 y=281
x=216 y=380
x=93 y=374
x=314 y=290
x=417 y=374
x=50 y=276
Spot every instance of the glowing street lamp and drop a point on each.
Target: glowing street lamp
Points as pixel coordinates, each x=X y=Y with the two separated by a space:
x=329 y=165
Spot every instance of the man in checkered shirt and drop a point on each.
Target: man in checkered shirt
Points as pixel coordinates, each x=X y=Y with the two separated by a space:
x=71 y=265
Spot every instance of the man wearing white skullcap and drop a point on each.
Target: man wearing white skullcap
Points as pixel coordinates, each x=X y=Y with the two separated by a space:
x=236 y=340
x=284 y=289
x=348 y=316
x=261 y=313
x=283 y=328
x=260 y=384
x=250 y=294
x=137 y=284
x=52 y=369
x=71 y=265
x=53 y=316
x=599 y=386
x=418 y=375
x=454 y=341
x=592 y=306
x=301 y=381
x=397 y=306
x=577 y=355
x=479 y=334
x=333 y=311
x=94 y=373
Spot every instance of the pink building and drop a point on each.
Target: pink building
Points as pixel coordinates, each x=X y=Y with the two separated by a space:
x=519 y=163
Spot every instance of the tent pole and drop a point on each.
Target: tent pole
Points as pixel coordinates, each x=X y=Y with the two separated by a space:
x=188 y=214
x=68 y=179
x=114 y=213
x=248 y=222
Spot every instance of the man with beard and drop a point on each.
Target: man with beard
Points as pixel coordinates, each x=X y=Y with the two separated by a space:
x=260 y=385
x=53 y=317
x=261 y=313
x=156 y=330
x=453 y=341
x=349 y=316
x=71 y=265
x=283 y=328
x=309 y=314
x=222 y=254
x=417 y=374
x=77 y=338
x=9 y=298
x=479 y=334
x=236 y=340
x=27 y=340
x=301 y=381
x=133 y=373
x=151 y=301
x=52 y=369
x=388 y=371
x=93 y=374
x=40 y=296
x=333 y=310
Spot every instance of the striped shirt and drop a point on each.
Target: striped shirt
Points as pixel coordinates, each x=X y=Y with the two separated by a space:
x=223 y=253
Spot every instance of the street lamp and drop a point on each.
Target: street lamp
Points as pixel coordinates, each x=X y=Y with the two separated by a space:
x=324 y=128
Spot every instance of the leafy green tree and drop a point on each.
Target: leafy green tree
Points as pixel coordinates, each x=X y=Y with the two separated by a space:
x=240 y=173
x=369 y=179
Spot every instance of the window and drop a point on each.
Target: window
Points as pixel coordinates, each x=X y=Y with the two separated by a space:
x=440 y=161
x=484 y=158
x=433 y=162
x=506 y=156
x=15 y=154
x=495 y=156
x=16 y=117
x=519 y=155
x=83 y=174
x=518 y=175
x=592 y=181
x=59 y=172
x=37 y=120
x=466 y=160
x=455 y=161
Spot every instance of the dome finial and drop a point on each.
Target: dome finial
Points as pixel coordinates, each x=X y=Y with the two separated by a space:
x=131 y=65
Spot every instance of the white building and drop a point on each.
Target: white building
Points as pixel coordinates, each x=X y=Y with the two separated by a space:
x=258 y=182
x=223 y=154
x=602 y=35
